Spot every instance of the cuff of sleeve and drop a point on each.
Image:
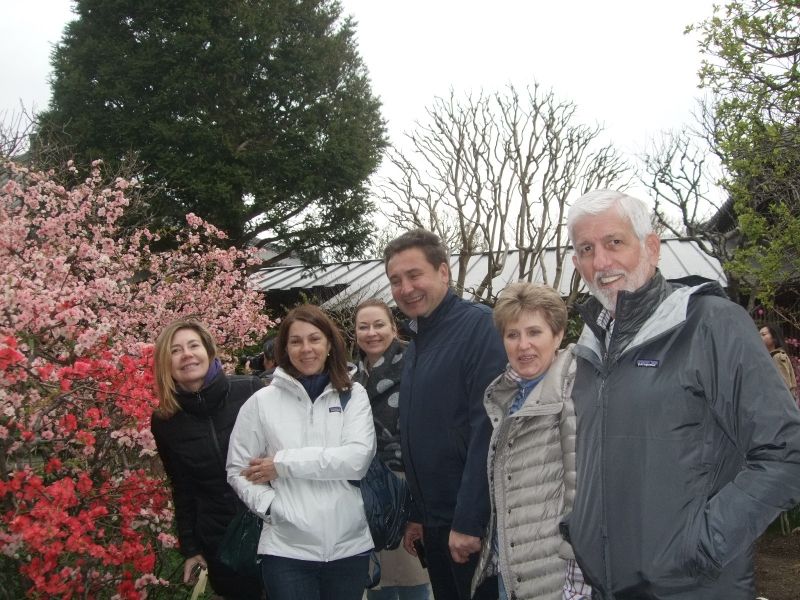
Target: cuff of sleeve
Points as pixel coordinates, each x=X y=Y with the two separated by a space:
x=264 y=502
x=277 y=461
x=468 y=526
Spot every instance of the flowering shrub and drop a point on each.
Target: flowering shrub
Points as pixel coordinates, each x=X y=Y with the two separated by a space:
x=84 y=509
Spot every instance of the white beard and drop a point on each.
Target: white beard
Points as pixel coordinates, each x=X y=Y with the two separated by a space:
x=633 y=281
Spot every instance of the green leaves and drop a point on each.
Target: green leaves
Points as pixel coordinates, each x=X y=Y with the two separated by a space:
x=255 y=114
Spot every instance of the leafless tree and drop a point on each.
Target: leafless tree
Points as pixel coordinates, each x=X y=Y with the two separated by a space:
x=683 y=172
x=15 y=131
x=494 y=173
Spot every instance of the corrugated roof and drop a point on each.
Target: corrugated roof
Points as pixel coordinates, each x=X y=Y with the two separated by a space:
x=353 y=281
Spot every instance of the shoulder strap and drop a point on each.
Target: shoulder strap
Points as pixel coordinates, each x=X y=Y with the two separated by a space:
x=344 y=397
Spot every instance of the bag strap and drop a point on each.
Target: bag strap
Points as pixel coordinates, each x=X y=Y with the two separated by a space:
x=344 y=397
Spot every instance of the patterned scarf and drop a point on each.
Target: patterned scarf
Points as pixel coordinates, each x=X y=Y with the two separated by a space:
x=382 y=382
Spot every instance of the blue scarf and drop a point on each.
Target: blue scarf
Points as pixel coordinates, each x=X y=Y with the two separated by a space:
x=214 y=369
x=315 y=384
x=525 y=386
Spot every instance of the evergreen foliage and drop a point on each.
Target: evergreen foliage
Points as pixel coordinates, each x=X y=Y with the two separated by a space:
x=256 y=115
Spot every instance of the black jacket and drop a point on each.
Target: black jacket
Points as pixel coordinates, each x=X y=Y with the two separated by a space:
x=193 y=445
x=688 y=446
x=444 y=429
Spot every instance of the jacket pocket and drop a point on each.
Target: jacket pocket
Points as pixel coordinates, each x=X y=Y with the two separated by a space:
x=696 y=562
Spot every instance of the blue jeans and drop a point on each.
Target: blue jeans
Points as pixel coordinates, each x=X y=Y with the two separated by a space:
x=293 y=579
x=397 y=592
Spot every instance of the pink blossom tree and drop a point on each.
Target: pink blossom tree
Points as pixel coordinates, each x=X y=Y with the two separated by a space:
x=84 y=507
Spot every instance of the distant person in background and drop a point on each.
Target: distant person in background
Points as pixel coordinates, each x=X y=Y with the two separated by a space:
x=773 y=340
x=198 y=406
x=381 y=353
x=268 y=362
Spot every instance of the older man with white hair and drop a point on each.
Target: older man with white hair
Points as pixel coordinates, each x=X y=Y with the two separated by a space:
x=688 y=443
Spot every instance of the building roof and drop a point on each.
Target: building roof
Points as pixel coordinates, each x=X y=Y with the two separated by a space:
x=335 y=284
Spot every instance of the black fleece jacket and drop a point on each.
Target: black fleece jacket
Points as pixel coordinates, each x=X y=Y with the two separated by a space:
x=193 y=445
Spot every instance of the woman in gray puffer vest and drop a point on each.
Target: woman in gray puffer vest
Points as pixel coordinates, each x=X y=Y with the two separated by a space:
x=531 y=464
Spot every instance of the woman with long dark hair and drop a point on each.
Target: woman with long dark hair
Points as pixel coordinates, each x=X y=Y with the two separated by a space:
x=295 y=445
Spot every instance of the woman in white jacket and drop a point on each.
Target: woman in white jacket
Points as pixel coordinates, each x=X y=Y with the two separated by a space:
x=292 y=451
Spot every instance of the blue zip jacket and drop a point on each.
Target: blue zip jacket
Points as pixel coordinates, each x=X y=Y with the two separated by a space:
x=444 y=428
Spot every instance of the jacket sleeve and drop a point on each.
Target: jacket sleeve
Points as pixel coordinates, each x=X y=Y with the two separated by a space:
x=183 y=495
x=757 y=413
x=786 y=370
x=349 y=460
x=568 y=430
x=248 y=440
x=485 y=359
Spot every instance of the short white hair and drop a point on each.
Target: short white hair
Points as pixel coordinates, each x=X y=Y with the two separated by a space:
x=599 y=201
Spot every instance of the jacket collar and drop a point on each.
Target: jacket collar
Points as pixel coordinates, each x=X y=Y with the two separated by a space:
x=653 y=309
x=547 y=391
x=206 y=401
x=437 y=314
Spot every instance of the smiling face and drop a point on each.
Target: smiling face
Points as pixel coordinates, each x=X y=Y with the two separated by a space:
x=375 y=331
x=188 y=360
x=307 y=348
x=610 y=257
x=530 y=344
x=417 y=287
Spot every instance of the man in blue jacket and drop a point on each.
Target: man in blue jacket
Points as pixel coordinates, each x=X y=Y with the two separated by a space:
x=454 y=354
x=688 y=441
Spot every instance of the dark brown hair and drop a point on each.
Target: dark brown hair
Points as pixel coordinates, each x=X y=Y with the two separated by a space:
x=432 y=247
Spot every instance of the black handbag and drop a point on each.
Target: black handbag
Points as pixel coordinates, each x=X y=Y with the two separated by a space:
x=239 y=547
x=386 y=499
x=386 y=503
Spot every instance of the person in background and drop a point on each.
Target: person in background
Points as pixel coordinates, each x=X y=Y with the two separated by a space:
x=197 y=409
x=379 y=369
x=293 y=449
x=454 y=353
x=773 y=340
x=688 y=446
x=268 y=362
x=531 y=465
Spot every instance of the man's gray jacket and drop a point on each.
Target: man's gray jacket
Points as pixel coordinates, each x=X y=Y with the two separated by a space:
x=688 y=446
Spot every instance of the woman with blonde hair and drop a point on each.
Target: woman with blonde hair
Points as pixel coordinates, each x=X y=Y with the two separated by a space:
x=531 y=464
x=198 y=405
x=296 y=445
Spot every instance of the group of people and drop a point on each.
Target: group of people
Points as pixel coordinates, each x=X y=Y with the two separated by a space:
x=641 y=462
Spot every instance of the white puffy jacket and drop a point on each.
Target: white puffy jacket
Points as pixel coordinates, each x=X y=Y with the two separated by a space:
x=310 y=511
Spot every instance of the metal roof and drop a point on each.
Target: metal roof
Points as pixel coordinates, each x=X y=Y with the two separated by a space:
x=352 y=281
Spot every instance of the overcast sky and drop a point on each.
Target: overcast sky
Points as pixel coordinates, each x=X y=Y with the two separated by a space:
x=627 y=64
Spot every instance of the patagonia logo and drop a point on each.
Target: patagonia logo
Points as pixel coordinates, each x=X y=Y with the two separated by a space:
x=643 y=362
x=335 y=409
